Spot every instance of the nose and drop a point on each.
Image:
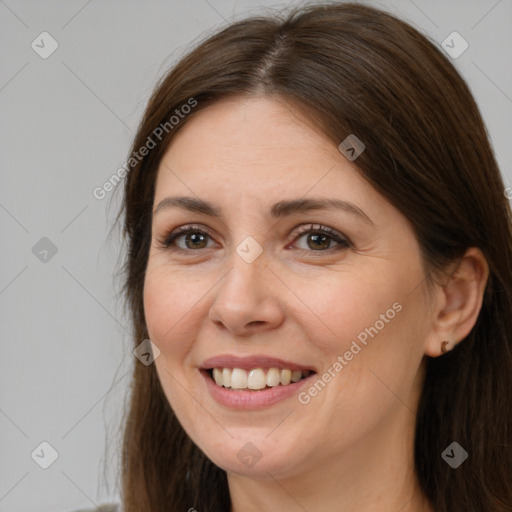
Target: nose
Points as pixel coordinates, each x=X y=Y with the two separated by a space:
x=245 y=300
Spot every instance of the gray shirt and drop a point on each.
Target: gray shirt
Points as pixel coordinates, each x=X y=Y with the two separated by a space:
x=106 y=507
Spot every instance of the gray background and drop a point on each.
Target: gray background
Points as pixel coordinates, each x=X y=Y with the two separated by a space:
x=65 y=127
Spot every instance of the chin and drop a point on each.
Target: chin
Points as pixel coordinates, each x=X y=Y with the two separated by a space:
x=257 y=456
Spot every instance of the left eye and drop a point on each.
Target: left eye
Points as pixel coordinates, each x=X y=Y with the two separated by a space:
x=321 y=240
x=321 y=237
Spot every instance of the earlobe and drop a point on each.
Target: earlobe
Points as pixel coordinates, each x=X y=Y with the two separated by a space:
x=459 y=301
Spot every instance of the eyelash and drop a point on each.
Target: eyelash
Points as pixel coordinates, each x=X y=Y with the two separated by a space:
x=169 y=240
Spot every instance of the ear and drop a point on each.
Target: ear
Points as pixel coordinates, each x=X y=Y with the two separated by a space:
x=458 y=302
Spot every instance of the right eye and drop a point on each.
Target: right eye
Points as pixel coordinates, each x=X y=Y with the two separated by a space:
x=193 y=238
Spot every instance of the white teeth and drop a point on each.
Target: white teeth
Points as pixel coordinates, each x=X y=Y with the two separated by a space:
x=296 y=376
x=217 y=376
x=226 y=377
x=256 y=379
x=286 y=377
x=273 y=378
x=237 y=378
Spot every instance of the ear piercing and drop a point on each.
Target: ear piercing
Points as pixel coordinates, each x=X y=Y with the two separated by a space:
x=444 y=344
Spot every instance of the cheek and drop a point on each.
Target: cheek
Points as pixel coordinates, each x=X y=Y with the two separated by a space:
x=381 y=351
x=348 y=307
x=375 y=325
x=168 y=306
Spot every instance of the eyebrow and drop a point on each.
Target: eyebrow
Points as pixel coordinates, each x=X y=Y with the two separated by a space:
x=280 y=209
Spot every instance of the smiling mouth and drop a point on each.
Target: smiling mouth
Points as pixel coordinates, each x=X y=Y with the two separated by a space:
x=257 y=379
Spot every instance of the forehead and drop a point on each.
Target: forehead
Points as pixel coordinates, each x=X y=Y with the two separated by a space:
x=249 y=127
x=258 y=144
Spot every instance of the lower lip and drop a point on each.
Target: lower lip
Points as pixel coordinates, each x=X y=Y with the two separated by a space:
x=252 y=399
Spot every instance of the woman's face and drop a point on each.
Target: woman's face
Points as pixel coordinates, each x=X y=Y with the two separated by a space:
x=259 y=293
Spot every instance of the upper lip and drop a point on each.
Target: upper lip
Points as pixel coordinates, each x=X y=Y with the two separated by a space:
x=251 y=362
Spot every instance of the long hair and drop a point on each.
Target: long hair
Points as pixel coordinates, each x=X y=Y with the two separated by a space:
x=351 y=69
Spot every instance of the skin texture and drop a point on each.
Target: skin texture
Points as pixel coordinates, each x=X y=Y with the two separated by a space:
x=351 y=446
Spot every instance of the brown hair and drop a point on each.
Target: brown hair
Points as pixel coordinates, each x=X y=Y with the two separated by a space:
x=351 y=69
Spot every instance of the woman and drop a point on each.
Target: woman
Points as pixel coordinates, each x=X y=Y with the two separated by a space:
x=320 y=251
